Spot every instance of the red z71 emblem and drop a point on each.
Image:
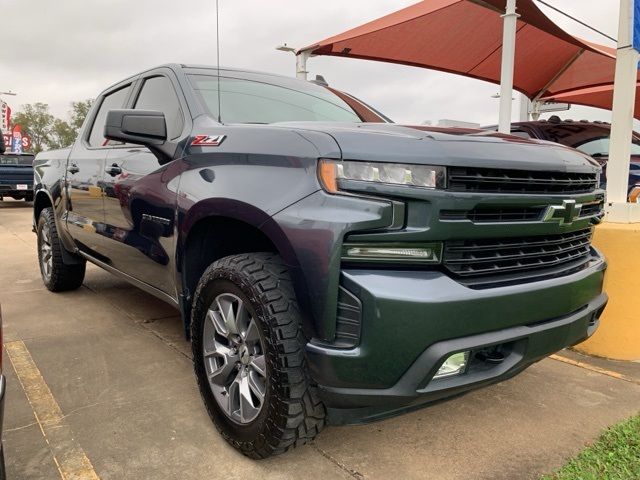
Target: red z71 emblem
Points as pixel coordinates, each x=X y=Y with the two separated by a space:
x=208 y=140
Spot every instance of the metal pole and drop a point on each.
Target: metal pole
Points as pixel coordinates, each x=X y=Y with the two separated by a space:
x=301 y=65
x=624 y=92
x=510 y=18
x=525 y=106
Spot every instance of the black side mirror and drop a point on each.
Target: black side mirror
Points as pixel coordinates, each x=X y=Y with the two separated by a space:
x=141 y=127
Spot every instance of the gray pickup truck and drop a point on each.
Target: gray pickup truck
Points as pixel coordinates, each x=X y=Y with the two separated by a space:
x=327 y=269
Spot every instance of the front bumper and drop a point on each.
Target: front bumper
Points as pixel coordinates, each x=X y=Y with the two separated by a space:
x=412 y=321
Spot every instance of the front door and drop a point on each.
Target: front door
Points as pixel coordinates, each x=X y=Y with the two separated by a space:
x=85 y=175
x=140 y=198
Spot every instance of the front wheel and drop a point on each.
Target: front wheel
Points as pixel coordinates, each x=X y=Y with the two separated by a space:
x=248 y=351
x=57 y=274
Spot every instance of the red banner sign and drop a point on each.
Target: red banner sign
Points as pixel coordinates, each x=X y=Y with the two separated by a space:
x=8 y=139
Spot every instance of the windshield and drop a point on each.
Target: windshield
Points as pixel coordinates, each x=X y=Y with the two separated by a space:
x=590 y=139
x=250 y=101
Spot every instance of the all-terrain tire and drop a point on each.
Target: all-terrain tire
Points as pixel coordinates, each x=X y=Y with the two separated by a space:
x=61 y=276
x=292 y=414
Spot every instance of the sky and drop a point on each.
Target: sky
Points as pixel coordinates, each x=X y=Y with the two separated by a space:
x=58 y=52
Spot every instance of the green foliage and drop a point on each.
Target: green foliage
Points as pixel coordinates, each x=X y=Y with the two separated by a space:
x=78 y=113
x=614 y=456
x=62 y=134
x=36 y=121
x=47 y=131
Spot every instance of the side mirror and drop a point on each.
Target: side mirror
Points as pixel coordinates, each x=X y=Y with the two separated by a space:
x=141 y=127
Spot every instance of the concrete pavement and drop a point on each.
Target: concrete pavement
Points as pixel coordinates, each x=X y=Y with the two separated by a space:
x=117 y=367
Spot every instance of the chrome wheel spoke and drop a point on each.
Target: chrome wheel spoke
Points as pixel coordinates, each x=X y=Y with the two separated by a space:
x=258 y=365
x=252 y=333
x=257 y=385
x=226 y=310
x=248 y=410
x=215 y=317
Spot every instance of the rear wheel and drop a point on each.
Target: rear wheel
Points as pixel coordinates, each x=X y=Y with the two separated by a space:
x=248 y=352
x=57 y=274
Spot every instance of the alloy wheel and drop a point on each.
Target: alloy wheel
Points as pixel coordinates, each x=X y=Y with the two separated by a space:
x=234 y=358
x=46 y=252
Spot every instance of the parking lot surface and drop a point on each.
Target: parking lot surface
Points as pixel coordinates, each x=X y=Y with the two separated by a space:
x=100 y=383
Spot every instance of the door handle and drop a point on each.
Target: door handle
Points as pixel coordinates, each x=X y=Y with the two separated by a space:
x=113 y=170
x=73 y=168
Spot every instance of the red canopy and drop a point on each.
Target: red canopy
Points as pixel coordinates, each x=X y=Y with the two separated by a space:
x=465 y=37
x=599 y=97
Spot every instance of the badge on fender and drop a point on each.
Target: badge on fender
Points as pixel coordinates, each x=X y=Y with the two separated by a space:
x=208 y=140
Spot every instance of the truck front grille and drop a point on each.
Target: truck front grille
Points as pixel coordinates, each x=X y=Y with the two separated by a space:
x=487 y=262
x=490 y=214
x=490 y=180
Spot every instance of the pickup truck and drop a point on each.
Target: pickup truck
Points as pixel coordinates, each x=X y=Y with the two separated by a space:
x=327 y=269
x=591 y=138
x=16 y=176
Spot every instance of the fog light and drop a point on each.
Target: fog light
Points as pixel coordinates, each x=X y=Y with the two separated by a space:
x=454 y=365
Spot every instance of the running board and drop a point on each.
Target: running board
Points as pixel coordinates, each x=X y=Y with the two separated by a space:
x=134 y=281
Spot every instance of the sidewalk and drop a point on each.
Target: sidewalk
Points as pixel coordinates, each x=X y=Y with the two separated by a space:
x=118 y=367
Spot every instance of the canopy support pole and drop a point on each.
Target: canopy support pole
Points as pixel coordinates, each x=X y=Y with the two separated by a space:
x=510 y=19
x=301 y=64
x=624 y=91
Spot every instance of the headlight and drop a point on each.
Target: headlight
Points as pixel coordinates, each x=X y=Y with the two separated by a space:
x=331 y=172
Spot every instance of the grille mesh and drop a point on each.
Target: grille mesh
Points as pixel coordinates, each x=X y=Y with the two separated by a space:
x=472 y=179
x=527 y=256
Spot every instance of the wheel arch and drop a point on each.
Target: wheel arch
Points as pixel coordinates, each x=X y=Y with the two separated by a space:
x=41 y=201
x=246 y=229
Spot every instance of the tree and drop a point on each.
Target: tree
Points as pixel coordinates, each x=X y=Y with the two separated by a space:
x=47 y=131
x=78 y=113
x=37 y=122
x=62 y=134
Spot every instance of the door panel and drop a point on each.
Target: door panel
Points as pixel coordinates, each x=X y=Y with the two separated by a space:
x=85 y=216
x=139 y=223
x=85 y=176
x=140 y=196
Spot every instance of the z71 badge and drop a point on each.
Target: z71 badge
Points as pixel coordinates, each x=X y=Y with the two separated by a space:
x=208 y=140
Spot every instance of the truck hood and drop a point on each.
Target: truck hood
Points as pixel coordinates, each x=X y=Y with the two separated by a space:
x=454 y=147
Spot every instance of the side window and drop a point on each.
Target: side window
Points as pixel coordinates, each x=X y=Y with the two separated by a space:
x=111 y=101
x=158 y=94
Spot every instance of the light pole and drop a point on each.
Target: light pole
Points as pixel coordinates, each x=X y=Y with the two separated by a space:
x=301 y=60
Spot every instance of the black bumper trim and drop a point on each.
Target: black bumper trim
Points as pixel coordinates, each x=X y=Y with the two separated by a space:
x=416 y=387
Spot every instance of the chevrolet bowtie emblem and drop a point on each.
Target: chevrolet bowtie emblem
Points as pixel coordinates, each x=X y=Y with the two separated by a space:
x=564 y=214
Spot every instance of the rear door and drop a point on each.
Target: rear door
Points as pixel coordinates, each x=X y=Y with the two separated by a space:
x=139 y=203
x=85 y=174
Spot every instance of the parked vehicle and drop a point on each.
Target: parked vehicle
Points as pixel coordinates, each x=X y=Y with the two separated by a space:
x=16 y=176
x=326 y=269
x=591 y=138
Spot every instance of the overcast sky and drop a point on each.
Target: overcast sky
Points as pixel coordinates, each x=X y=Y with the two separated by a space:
x=57 y=52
